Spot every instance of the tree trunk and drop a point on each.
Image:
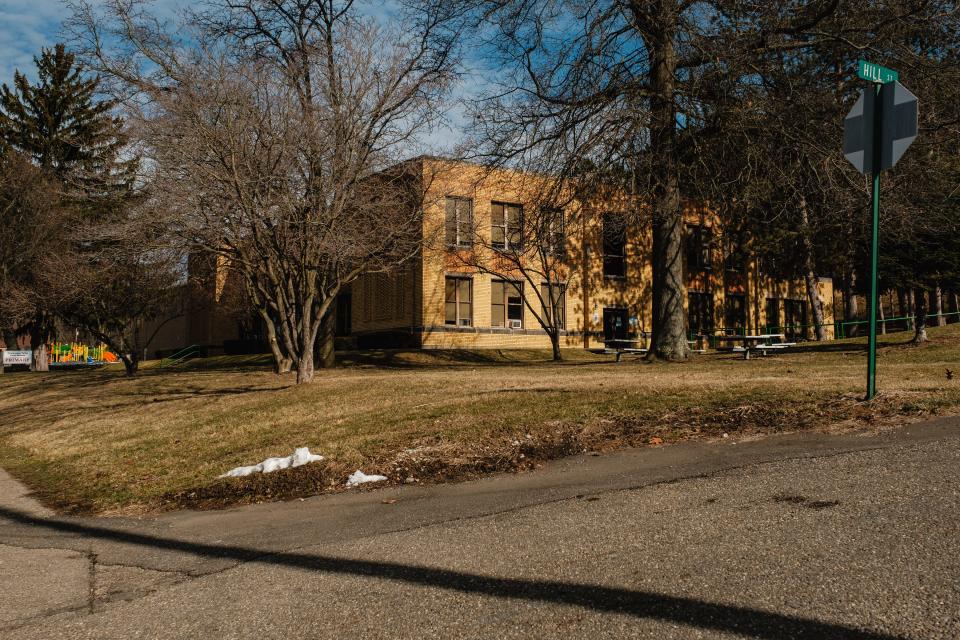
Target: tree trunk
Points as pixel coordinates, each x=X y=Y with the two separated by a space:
x=41 y=359
x=281 y=362
x=903 y=308
x=305 y=367
x=669 y=339
x=555 y=345
x=131 y=363
x=920 y=313
x=938 y=306
x=850 y=307
x=883 y=324
x=956 y=306
x=325 y=354
x=912 y=307
x=810 y=276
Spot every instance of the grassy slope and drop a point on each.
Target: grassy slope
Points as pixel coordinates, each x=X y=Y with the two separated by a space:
x=94 y=440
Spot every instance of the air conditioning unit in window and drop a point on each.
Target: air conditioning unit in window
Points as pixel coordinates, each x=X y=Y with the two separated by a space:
x=515 y=324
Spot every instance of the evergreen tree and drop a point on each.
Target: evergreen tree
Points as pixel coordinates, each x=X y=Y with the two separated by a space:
x=59 y=123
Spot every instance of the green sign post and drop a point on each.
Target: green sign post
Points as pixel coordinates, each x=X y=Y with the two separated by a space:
x=876 y=132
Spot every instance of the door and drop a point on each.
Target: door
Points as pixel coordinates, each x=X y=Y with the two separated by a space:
x=615 y=323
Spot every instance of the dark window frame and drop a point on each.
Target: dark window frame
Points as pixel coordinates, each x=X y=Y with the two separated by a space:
x=458 y=231
x=614 y=232
x=512 y=234
x=501 y=311
x=696 y=312
x=698 y=248
x=546 y=293
x=457 y=301
x=735 y=304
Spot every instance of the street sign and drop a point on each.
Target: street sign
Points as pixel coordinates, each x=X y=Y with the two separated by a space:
x=17 y=357
x=875 y=73
x=858 y=132
x=896 y=109
x=876 y=133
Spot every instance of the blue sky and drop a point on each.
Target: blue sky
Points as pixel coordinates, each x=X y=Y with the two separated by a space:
x=26 y=26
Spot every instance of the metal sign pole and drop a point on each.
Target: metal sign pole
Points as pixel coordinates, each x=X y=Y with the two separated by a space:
x=874 y=245
x=874 y=138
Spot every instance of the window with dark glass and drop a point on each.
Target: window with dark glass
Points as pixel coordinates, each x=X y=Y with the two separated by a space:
x=733 y=257
x=459 y=301
x=459 y=222
x=735 y=313
x=614 y=246
x=554 y=300
x=795 y=319
x=554 y=233
x=506 y=225
x=700 y=312
x=698 y=240
x=506 y=304
x=773 y=315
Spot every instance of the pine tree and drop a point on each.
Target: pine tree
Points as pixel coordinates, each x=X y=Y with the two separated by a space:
x=59 y=123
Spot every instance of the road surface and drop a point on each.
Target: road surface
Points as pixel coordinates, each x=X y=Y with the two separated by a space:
x=795 y=536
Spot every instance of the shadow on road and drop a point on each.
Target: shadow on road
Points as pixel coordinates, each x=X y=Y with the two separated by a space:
x=641 y=604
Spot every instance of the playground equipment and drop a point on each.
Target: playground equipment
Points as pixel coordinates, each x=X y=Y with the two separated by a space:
x=75 y=353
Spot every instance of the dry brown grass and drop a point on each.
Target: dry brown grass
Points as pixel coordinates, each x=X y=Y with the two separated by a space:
x=96 y=441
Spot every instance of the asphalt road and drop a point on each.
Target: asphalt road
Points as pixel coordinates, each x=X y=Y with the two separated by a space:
x=800 y=536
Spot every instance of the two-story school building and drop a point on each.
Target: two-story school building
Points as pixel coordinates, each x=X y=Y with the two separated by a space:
x=459 y=292
x=450 y=296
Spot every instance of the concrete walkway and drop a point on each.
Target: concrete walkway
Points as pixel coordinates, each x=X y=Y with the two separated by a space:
x=797 y=536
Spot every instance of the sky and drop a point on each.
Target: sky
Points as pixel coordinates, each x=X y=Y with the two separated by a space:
x=27 y=26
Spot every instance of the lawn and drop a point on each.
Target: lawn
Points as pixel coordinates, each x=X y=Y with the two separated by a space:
x=95 y=441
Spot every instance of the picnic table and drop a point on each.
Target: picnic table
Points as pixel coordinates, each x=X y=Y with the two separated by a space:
x=631 y=345
x=625 y=345
x=762 y=343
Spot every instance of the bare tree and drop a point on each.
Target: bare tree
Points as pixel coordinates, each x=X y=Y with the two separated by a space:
x=657 y=78
x=275 y=144
x=29 y=210
x=120 y=289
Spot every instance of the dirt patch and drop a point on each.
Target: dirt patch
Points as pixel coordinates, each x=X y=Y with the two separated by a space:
x=433 y=460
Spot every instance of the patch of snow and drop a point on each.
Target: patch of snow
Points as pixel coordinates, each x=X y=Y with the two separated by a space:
x=299 y=457
x=359 y=477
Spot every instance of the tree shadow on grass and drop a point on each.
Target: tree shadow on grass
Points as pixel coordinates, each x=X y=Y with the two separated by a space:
x=640 y=604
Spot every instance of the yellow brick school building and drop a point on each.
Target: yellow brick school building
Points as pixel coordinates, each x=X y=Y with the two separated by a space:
x=457 y=292
x=449 y=296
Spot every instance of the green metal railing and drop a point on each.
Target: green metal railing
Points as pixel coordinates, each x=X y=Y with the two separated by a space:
x=841 y=328
x=901 y=323
x=184 y=354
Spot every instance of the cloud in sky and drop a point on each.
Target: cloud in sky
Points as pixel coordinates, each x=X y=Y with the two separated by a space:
x=27 y=26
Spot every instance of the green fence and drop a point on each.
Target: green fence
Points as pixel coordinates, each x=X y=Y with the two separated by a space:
x=841 y=329
x=892 y=325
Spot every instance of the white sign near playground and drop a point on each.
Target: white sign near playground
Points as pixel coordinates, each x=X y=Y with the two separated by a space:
x=17 y=357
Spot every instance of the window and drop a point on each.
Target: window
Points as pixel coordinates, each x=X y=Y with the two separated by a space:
x=506 y=304
x=507 y=223
x=553 y=232
x=795 y=319
x=733 y=257
x=700 y=313
x=459 y=301
x=459 y=222
x=773 y=315
x=614 y=246
x=735 y=313
x=699 y=240
x=554 y=297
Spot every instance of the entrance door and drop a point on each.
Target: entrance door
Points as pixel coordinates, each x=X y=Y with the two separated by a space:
x=615 y=323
